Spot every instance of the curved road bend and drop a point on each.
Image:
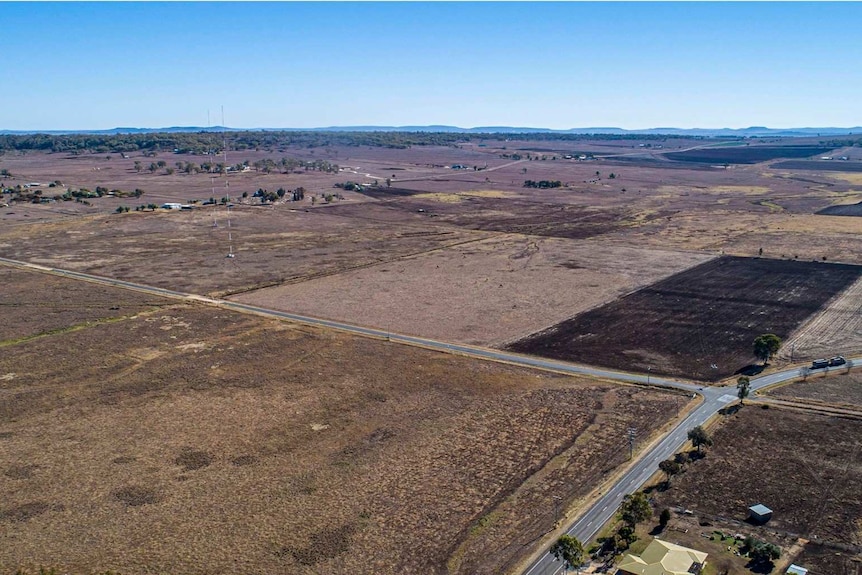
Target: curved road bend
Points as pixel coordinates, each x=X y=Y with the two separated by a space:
x=589 y=523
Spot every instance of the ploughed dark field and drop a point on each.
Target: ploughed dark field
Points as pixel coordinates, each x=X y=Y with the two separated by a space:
x=745 y=154
x=697 y=324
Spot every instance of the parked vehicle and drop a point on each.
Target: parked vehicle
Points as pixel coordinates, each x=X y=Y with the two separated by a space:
x=837 y=360
x=819 y=363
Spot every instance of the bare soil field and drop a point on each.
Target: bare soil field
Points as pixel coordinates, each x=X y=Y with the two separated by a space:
x=836 y=330
x=842 y=210
x=485 y=292
x=835 y=387
x=703 y=317
x=746 y=154
x=33 y=304
x=829 y=560
x=805 y=467
x=194 y=440
x=818 y=165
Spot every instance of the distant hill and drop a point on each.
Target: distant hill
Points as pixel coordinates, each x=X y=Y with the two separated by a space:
x=752 y=132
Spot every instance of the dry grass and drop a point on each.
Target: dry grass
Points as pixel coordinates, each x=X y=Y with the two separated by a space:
x=198 y=441
x=837 y=388
x=35 y=303
x=486 y=292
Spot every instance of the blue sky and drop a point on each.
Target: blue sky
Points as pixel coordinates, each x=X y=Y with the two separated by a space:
x=555 y=65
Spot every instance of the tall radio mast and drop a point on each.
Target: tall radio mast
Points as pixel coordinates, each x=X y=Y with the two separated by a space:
x=230 y=253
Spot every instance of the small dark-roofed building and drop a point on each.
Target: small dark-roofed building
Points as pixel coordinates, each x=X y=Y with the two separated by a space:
x=760 y=513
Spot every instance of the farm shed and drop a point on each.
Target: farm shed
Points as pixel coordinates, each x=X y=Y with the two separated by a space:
x=661 y=557
x=796 y=570
x=760 y=513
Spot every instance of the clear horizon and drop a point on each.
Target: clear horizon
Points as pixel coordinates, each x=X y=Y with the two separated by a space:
x=91 y=66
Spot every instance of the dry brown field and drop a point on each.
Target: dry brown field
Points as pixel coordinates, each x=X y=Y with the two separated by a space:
x=805 y=467
x=307 y=451
x=484 y=292
x=34 y=304
x=837 y=387
x=189 y=439
x=428 y=255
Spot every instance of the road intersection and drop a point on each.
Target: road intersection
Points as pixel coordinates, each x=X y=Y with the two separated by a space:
x=605 y=506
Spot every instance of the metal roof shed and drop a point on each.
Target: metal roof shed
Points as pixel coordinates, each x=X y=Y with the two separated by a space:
x=760 y=513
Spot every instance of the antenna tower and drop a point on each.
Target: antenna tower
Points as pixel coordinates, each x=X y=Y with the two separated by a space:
x=230 y=253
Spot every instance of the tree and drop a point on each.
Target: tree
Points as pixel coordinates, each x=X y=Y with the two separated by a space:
x=635 y=508
x=742 y=388
x=670 y=468
x=765 y=346
x=569 y=550
x=761 y=552
x=664 y=518
x=699 y=437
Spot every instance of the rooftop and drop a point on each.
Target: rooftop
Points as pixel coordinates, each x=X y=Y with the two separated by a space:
x=663 y=558
x=760 y=509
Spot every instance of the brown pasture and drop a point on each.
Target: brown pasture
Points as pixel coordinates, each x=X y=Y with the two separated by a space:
x=835 y=387
x=188 y=439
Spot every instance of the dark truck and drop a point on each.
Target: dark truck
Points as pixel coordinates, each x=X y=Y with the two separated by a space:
x=832 y=361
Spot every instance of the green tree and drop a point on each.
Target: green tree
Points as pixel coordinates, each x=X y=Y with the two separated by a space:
x=742 y=388
x=635 y=508
x=569 y=550
x=670 y=468
x=765 y=346
x=699 y=437
x=627 y=534
x=664 y=518
x=763 y=553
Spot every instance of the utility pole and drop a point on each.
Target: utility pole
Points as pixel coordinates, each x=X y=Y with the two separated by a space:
x=557 y=500
x=631 y=433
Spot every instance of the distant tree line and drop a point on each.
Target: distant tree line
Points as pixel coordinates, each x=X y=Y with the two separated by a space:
x=205 y=142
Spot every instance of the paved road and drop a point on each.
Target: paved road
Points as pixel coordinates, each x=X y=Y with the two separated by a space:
x=601 y=511
x=589 y=523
